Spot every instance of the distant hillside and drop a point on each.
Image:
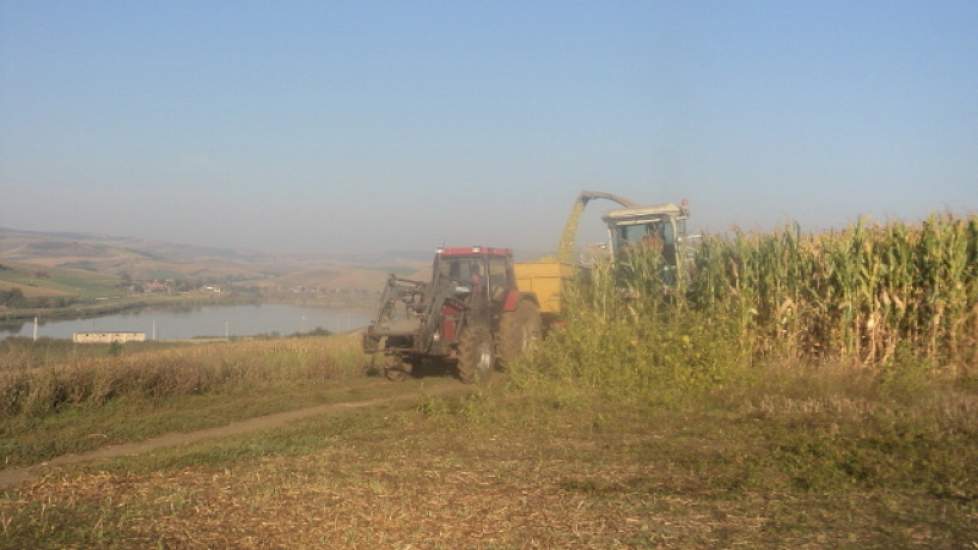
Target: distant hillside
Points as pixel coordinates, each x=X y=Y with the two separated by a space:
x=77 y=264
x=32 y=244
x=137 y=259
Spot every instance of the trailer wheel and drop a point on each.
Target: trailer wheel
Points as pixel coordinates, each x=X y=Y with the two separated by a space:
x=476 y=356
x=518 y=330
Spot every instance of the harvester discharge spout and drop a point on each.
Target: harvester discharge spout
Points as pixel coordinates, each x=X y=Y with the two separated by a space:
x=568 y=238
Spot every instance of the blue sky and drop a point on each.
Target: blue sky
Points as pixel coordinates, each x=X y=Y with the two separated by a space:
x=344 y=126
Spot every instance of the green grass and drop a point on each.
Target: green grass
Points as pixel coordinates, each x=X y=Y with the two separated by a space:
x=301 y=439
x=73 y=282
x=25 y=441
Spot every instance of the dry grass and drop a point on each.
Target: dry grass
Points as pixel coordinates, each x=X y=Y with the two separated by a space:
x=77 y=403
x=200 y=369
x=487 y=474
x=330 y=499
x=20 y=353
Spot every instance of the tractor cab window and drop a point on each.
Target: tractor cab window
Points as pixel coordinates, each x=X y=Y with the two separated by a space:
x=498 y=276
x=466 y=271
x=456 y=269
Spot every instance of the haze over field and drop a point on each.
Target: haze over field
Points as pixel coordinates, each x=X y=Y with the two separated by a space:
x=325 y=127
x=223 y=322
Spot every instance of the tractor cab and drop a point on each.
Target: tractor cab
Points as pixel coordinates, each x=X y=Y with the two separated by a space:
x=477 y=271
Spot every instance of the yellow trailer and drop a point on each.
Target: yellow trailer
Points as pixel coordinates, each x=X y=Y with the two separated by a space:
x=545 y=279
x=548 y=276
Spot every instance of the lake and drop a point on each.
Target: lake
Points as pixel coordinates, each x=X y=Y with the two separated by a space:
x=211 y=320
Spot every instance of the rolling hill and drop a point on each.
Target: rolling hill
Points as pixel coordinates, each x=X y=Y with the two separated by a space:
x=89 y=266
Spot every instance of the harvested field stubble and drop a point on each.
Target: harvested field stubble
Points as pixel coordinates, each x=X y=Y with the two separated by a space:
x=683 y=476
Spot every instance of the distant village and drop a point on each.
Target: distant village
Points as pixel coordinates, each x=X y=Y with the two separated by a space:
x=320 y=295
x=54 y=290
x=302 y=294
x=172 y=286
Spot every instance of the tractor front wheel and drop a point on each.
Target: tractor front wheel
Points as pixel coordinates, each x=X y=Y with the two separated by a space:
x=476 y=356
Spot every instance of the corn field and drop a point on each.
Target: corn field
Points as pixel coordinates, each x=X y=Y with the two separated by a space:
x=861 y=294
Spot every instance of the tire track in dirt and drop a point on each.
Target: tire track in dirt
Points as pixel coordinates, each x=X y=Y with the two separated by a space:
x=15 y=476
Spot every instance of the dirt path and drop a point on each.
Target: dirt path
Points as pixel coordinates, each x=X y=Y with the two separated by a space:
x=15 y=476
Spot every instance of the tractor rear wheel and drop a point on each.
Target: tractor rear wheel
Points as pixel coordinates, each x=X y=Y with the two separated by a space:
x=476 y=356
x=518 y=330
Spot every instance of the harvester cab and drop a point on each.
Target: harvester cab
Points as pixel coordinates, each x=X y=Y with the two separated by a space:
x=662 y=227
x=470 y=315
x=629 y=226
x=633 y=225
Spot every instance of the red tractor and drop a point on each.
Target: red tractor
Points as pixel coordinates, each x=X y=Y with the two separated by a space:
x=471 y=315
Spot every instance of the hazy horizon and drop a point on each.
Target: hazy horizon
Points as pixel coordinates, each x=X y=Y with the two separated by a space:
x=342 y=128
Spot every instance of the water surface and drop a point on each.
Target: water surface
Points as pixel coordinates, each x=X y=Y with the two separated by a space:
x=195 y=321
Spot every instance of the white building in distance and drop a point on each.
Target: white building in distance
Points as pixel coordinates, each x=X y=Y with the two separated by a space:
x=107 y=337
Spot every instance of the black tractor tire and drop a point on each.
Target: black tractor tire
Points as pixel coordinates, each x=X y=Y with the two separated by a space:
x=476 y=354
x=518 y=331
